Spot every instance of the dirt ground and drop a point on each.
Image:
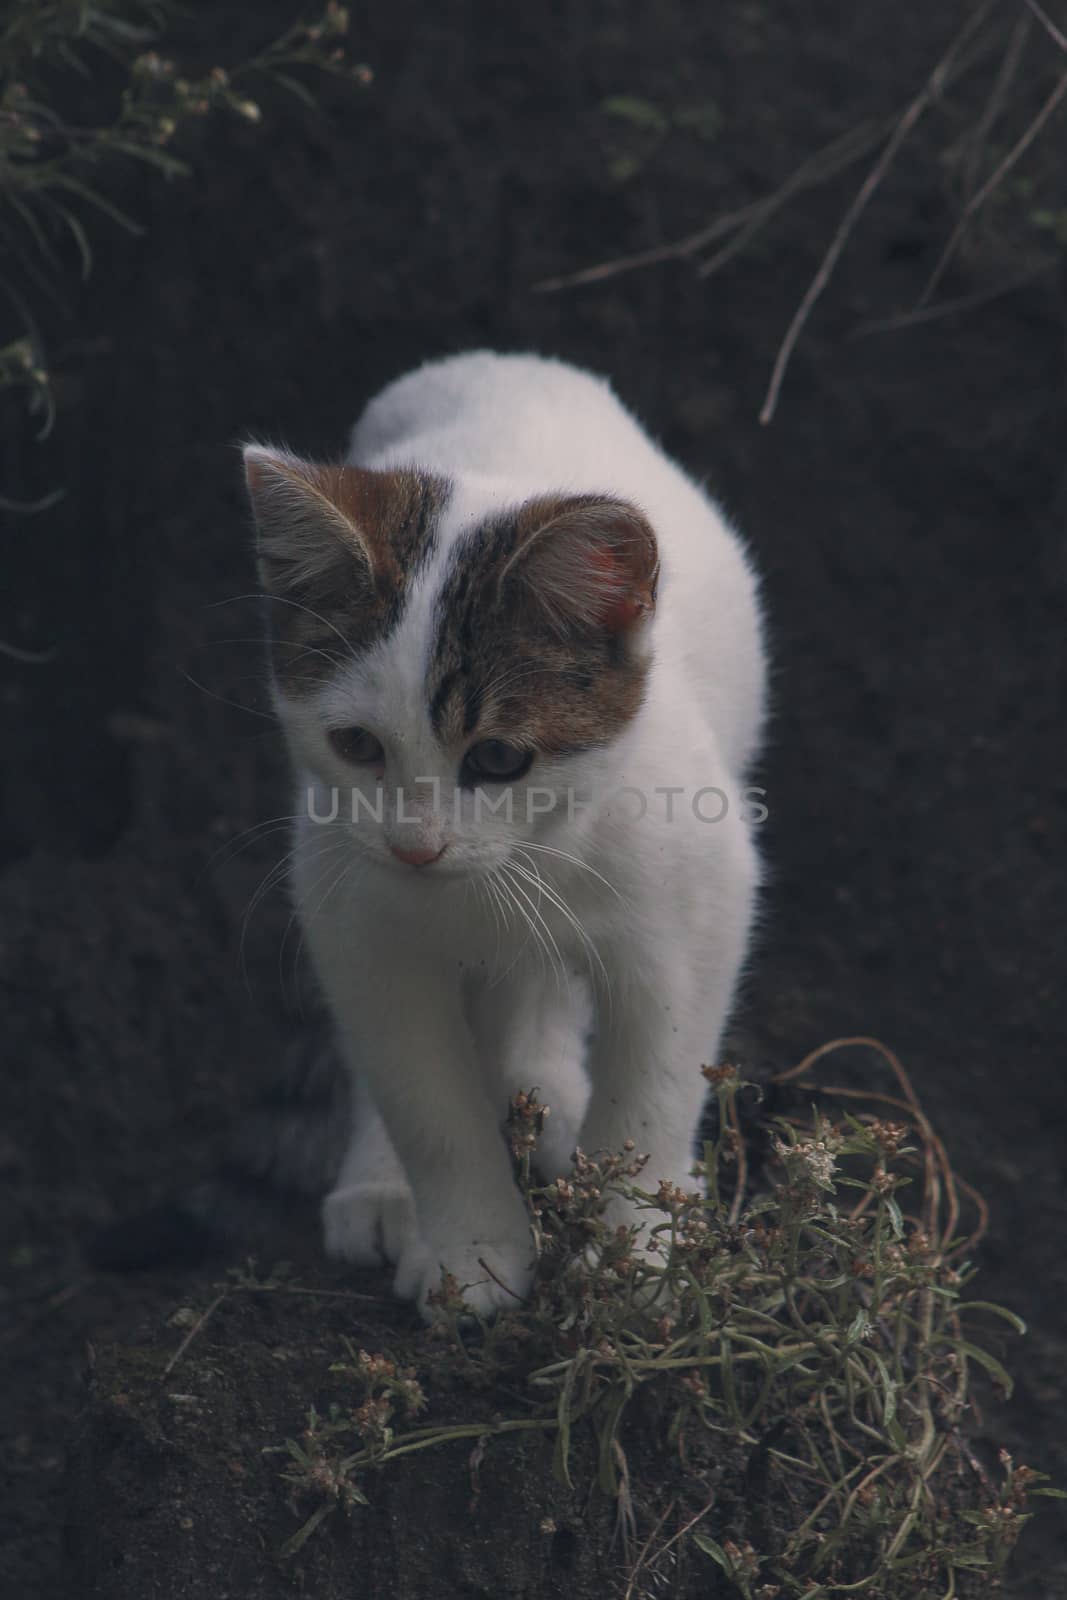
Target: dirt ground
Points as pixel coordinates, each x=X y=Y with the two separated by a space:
x=907 y=508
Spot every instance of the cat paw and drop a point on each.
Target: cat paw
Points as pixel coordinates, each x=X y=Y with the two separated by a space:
x=646 y=1249
x=492 y=1274
x=369 y=1223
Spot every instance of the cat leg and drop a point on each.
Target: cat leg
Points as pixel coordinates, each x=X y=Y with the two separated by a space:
x=673 y=984
x=532 y=1031
x=402 y=1018
x=369 y=1216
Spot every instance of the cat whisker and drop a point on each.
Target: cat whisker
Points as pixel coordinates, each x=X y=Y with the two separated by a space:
x=546 y=936
x=247 y=838
x=270 y=881
x=499 y=900
x=264 y=641
x=223 y=700
x=555 y=898
x=492 y=900
x=354 y=864
x=298 y=605
x=510 y=901
x=331 y=848
x=576 y=861
x=507 y=678
x=477 y=885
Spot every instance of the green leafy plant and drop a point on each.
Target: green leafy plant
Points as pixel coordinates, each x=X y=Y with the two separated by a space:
x=642 y=125
x=821 y=1330
x=87 y=92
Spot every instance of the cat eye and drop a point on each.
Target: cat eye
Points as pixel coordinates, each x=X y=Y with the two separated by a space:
x=356 y=745
x=494 y=761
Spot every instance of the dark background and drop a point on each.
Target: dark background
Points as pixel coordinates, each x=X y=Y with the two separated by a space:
x=907 y=507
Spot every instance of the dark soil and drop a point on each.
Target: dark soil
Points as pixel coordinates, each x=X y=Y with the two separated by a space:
x=169 y=1471
x=907 y=507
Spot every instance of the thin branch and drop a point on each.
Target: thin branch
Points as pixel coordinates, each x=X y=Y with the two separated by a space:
x=742 y=1163
x=682 y=1531
x=194 y=1332
x=680 y=249
x=824 y=164
x=27 y=507
x=499 y=1281
x=1047 y=23
x=643 y=1552
x=316 y=1294
x=1018 y=149
x=643 y=1559
x=906 y=124
x=248 y=1288
x=625 y=1520
x=1009 y=66
x=938 y=1171
x=33 y=658
x=947 y=308
x=853 y=147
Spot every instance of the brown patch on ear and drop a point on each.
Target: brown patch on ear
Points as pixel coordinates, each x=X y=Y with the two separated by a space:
x=588 y=562
x=537 y=625
x=338 y=549
x=305 y=534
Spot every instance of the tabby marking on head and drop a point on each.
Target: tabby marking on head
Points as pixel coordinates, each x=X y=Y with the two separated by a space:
x=339 y=550
x=536 y=622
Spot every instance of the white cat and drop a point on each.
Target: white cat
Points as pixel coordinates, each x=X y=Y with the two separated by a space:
x=518 y=661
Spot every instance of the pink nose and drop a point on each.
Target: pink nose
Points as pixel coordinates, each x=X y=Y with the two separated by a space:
x=417 y=858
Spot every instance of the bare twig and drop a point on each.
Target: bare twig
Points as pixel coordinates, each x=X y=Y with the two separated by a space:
x=643 y=1552
x=682 y=1531
x=28 y=507
x=1047 y=23
x=194 y=1332
x=947 y=308
x=315 y=1294
x=939 y=1177
x=907 y=122
x=1009 y=66
x=680 y=249
x=499 y=1281
x=980 y=1204
x=644 y=1560
x=825 y=164
x=34 y=658
x=625 y=1520
x=252 y=1288
x=742 y=1163
x=977 y=200
x=738 y=228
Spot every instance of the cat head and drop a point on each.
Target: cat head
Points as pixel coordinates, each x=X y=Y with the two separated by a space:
x=456 y=674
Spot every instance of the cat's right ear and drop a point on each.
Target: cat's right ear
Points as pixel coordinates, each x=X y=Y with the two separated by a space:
x=305 y=534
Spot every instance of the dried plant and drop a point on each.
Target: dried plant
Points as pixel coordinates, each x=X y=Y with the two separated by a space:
x=823 y=1328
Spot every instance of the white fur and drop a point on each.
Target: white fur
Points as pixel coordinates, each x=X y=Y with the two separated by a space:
x=607 y=982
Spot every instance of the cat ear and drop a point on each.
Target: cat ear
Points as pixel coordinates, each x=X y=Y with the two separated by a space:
x=305 y=531
x=589 y=563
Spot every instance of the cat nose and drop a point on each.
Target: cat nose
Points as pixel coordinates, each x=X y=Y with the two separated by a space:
x=417 y=858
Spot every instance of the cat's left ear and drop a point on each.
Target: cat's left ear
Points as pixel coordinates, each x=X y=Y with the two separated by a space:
x=587 y=562
x=305 y=522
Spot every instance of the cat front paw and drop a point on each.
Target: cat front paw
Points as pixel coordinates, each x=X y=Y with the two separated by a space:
x=370 y=1223
x=492 y=1274
x=646 y=1249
